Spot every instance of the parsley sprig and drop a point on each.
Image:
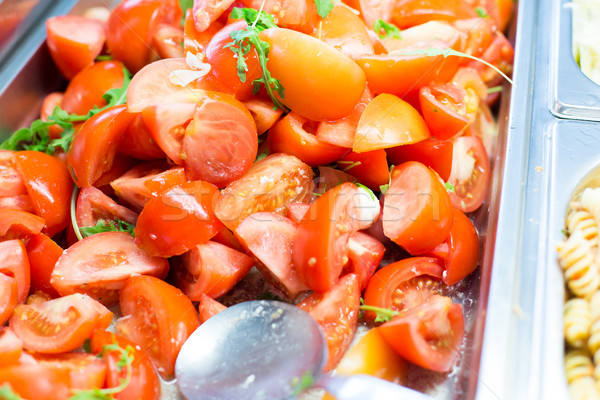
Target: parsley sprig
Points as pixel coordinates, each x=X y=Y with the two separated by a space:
x=243 y=42
x=37 y=136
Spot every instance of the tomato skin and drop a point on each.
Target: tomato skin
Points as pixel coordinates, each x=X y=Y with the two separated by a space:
x=15 y=263
x=292 y=135
x=100 y=264
x=178 y=219
x=365 y=254
x=49 y=187
x=93 y=205
x=144 y=383
x=50 y=102
x=74 y=42
x=409 y=13
x=86 y=371
x=336 y=311
x=95 y=145
x=208 y=307
x=434 y=153
x=469 y=191
x=87 y=87
x=8 y=297
x=11 y=182
x=43 y=253
x=499 y=53
x=444 y=109
x=263 y=113
x=137 y=142
x=17 y=224
x=320 y=249
x=300 y=15
x=370 y=168
x=205 y=12
x=417 y=211
x=194 y=41
x=59 y=325
x=11 y=347
x=168 y=41
x=430 y=336
x=50 y=383
x=320 y=82
x=345 y=31
x=148 y=300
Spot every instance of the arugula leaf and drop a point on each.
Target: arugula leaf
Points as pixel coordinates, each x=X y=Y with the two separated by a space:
x=257 y=19
x=389 y=30
x=185 y=5
x=6 y=393
x=93 y=394
x=107 y=226
x=382 y=314
x=449 y=187
x=324 y=7
x=481 y=12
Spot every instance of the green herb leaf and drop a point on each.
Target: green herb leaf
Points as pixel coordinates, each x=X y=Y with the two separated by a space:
x=449 y=187
x=382 y=314
x=261 y=156
x=369 y=191
x=494 y=89
x=73 y=210
x=481 y=12
x=389 y=30
x=107 y=226
x=300 y=384
x=6 y=393
x=324 y=7
x=259 y=20
x=348 y=165
x=384 y=188
x=104 y=57
x=93 y=394
x=185 y=5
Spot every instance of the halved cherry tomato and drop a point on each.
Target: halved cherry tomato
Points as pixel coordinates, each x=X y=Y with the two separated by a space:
x=17 y=224
x=267 y=186
x=37 y=381
x=336 y=311
x=59 y=325
x=263 y=112
x=87 y=87
x=43 y=253
x=86 y=371
x=364 y=253
x=208 y=307
x=370 y=168
x=409 y=13
x=417 y=211
x=49 y=187
x=388 y=121
x=158 y=317
x=429 y=335
x=434 y=153
x=137 y=141
x=270 y=237
x=95 y=145
x=93 y=205
x=345 y=31
x=210 y=268
x=74 y=42
x=8 y=297
x=320 y=82
x=320 y=248
x=470 y=174
x=144 y=383
x=444 y=109
x=294 y=135
x=14 y=263
x=100 y=264
x=405 y=284
x=178 y=219
x=11 y=347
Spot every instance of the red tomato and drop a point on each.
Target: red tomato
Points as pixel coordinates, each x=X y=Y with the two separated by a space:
x=220 y=143
x=95 y=145
x=144 y=383
x=86 y=371
x=131 y=26
x=296 y=211
x=417 y=211
x=370 y=168
x=500 y=54
x=43 y=253
x=409 y=13
x=50 y=383
x=430 y=336
x=20 y=202
x=208 y=307
x=365 y=254
x=345 y=31
x=329 y=178
x=87 y=87
x=120 y=165
x=426 y=32
x=146 y=181
x=93 y=205
x=14 y=263
x=270 y=237
x=268 y=185
x=100 y=264
x=297 y=14
x=388 y=121
x=206 y=12
x=294 y=135
x=320 y=82
x=178 y=219
x=320 y=248
x=8 y=297
x=11 y=347
x=336 y=311
x=48 y=185
x=74 y=42
x=168 y=41
x=158 y=317
x=477 y=34
x=17 y=224
x=434 y=153
x=470 y=174
x=263 y=112
x=372 y=10
x=11 y=183
x=52 y=101
x=210 y=268
x=59 y=325
x=444 y=108
x=194 y=41
x=137 y=141
x=405 y=284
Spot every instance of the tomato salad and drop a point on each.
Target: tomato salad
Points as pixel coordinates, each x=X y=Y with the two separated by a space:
x=196 y=140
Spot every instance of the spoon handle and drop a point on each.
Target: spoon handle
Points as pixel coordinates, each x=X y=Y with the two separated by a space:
x=364 y=387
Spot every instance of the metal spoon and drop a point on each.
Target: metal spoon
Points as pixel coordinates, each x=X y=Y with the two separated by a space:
x=267 y=350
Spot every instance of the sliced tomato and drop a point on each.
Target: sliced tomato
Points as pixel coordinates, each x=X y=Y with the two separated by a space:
x=20 y=202
x=15 y=263
x=43 y=253
x=8 y=297
x=417 y=211
x=210 y=268
x=434 y=153
x=270 y=238
x=17 y=224
x=336 y=311
x=95 y=145
x=208 y=307
x=86 y=371
x=137 y=141
x=320 y=248
x=74 y=42
x=50 y=383
x=429 y=335
x=206 y=12
x=120 y=165
x=328 y=179
x=178 y=219
x=194 y=41
x=295 y=135
x=405 y=284
x=11 y=347
x=158 y=317
x=345 y=31
x=444 y=109
x=50 y=102
x=263 y=112
x=409 y=13
x=93 y=205
x=297 y=211
x=59 y=325
x=470 y=174
x=477 y=34
x=500 y=54
x=268 y=185
x=144 y=383
x=428 y=31
x=365 y=254
x=296 y=14
x=168 y=41
x=11 y=183
x=49 y=187
x=388 y=121
x=370 y=168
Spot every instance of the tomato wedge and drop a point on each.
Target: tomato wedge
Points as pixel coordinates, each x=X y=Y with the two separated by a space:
x=93 y=205
x=16 y=224
x=365 y=253
x=11 y=347
x=100 y=264
x=59 y=325
x=158 y=317
x=345 y=31
x=370 y=168
x=43 y=253
x=208 y=307
x=434 y=153
x=445 y=109
x=11 y=183
x=470 y=174
x=86 y=371
x=50 y=383
x=8 y=297
x=409 y=13
x=15 y=263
